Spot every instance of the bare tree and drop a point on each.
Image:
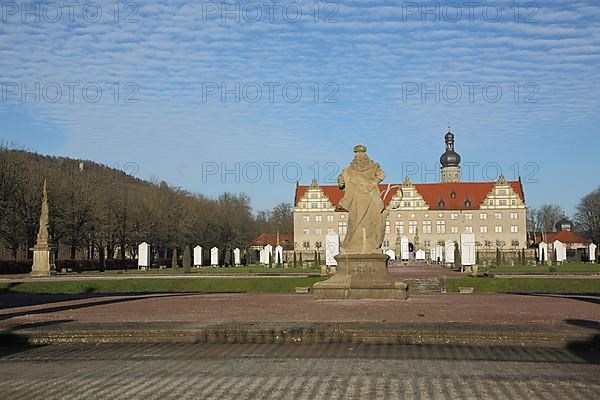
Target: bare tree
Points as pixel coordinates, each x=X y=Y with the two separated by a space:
x=96 y=210
x=547 y=217
x=587 y=215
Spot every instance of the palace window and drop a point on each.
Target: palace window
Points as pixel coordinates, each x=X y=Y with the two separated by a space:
x=407 y=204
x=514 y=215
x=387 y=227
x=314 y=195
x=426 y=243
x=498 y=215
x=314 y=205
x=412 y=227
x=386 y=243
x=318 y=231
x=306 y=245
x=513 y=202
x=330 y=231
x=454 y=216
x=502 y=202
x=502 y=192
x=498 y=229
x=330 y=218
x=483 y=229
x=306 y=218
x=514 y=229
x=483 y=216
x=318 y=245
x=487 y=243
x=408 y=194
x=306 y=231
x=399 y=226
x=440 y=226
x=319 y=218
x=426 y=226
x=491 y=203
x=468 y=229
x=342 y=227
x=454 y=229
x=468 y=216
x=515 y=243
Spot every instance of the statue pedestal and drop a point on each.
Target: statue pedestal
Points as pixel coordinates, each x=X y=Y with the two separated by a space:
x=43 y=262
x=360 y=276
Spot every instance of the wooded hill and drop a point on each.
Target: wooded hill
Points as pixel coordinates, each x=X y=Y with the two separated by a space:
x=96 y=211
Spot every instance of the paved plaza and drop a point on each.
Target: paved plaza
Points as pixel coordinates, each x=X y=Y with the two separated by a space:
x=212 y=308
x=334 y=371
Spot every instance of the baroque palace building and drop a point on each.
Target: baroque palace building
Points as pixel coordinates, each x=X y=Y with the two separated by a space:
x=428 y=214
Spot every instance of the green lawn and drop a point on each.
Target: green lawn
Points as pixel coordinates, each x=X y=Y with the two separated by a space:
x=207 y=271
x=567 y=267
x=529 y=285
x=252 y=285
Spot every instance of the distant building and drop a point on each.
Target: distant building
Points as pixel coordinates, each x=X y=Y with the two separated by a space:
x=577 y=245
x=286 y=241
x=564 y=225
x=427 y=214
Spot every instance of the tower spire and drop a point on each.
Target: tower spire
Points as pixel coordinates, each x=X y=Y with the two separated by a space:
x=450 y=160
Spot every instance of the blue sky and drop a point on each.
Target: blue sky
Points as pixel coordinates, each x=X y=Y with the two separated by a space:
x=519 y=82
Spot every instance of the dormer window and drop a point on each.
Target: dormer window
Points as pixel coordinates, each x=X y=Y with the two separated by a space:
x=467 y=203
x=453 y=195
x=442 y=204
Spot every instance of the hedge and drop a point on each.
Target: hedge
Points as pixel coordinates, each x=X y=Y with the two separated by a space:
x=24 y=267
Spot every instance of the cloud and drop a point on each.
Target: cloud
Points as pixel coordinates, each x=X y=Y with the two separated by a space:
x=369 y=54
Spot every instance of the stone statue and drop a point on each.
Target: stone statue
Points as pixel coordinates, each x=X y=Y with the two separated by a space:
x=361 y=267
x=362 y=199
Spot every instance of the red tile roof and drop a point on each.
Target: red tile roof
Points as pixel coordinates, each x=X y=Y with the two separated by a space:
x=566 y=237
x=271 y=238
x=432 y=193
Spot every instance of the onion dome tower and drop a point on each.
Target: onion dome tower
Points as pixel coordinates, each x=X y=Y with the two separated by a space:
x=450 y=160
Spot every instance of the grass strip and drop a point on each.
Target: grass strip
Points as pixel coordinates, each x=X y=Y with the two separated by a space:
x=524 y=285
x=207 y=271
x=264 y=285
x=564 y=268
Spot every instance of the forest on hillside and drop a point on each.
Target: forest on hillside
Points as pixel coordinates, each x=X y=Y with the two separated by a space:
x=97 y=211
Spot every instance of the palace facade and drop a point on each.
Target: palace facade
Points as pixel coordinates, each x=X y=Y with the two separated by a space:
x=428 y=214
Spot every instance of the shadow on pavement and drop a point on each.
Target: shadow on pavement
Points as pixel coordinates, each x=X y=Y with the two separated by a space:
x=31 y=300
x=11 y=342
x=588 y=350
x=587 y=297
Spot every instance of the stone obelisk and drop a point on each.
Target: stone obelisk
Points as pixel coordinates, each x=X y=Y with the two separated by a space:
x=43 y=262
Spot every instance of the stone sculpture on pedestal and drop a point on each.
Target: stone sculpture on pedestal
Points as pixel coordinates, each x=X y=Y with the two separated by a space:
x=43 y=262
x=361 y=265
